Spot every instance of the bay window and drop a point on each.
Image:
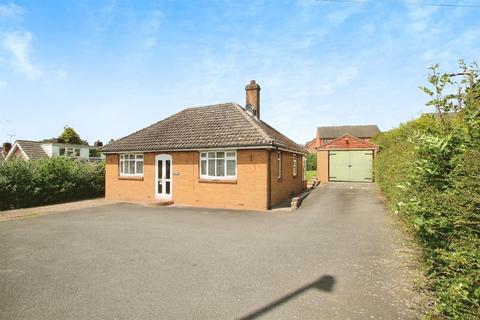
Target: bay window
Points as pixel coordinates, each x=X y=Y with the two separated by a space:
x=218 y=164
x=131 y=164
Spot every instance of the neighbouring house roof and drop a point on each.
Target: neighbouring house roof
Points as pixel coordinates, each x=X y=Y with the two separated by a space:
x=360 y=131
x=347 y=141
x=31 y=149
x=225 y=125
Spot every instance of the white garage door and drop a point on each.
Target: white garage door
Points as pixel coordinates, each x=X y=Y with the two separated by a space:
x=350 y=165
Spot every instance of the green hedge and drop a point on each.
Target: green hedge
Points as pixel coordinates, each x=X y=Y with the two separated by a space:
x=31 y=183
x=311 y=161
x=431 y=177
x=429 y=170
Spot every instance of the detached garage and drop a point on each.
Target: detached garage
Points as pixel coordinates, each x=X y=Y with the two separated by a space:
x=347 y=159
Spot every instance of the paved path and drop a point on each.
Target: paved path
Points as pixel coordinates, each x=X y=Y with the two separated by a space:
x=337 y=257
x=53 y=208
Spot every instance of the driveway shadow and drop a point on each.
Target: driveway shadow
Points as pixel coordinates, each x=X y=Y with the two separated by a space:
x=324 y=283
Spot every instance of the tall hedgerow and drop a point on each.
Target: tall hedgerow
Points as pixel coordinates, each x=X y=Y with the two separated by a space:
x=38 y=182
x=429 y=170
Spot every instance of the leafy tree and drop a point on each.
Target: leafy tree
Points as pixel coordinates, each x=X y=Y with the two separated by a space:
x=69 y=135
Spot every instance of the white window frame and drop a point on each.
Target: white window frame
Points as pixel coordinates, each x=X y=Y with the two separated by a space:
x=279 y=165
x=69 y=152
x=295 y=164
x=138 y=157
x=205 y=155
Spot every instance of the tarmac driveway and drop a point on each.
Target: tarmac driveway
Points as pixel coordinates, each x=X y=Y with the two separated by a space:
x=337 y=257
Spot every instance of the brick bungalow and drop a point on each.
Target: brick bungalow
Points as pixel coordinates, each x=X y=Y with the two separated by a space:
x=221 y=156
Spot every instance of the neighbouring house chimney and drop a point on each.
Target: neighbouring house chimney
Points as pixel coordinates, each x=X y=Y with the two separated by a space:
x=6 y=148
x=98 y=143
x=253 y=98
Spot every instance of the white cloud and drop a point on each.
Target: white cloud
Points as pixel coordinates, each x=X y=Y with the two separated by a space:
x=19 y=46
x=333 y=79
x=151 y=28
x=421 y=18
x=61 y=73
x=11 y=11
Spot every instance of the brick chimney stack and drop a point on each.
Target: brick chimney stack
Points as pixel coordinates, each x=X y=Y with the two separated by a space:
x=253 y=98
x=6 y=148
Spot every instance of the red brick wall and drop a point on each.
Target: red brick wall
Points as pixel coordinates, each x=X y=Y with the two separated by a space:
x=288 y=185
x=249 y=191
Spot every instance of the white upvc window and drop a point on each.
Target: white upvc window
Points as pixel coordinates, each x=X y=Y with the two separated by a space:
x=70 y=152
x=218 y=164
x=279 y=164
x=131 y=164
x=295 y=165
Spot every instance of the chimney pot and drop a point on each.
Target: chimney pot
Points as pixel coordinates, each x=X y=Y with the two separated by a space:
x=98 y=143
x=6 y=148
x=253 y=98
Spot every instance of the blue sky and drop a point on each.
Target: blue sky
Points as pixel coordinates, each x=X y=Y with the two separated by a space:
x=108 y=68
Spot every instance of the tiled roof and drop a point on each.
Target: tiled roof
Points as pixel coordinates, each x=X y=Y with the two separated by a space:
x=32 y=149
x=225 y=125
x=361 y=131
x=347 y=141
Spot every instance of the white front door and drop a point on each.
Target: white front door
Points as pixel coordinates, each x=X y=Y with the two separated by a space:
x=163 y=176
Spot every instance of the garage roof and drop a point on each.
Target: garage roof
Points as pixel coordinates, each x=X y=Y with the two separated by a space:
x=348 y=142
x=360 y=131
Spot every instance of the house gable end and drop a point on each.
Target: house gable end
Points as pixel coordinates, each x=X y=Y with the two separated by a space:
x=347 y=141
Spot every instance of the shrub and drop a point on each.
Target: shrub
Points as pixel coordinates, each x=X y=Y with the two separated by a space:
x=311 y=161
x=429 y=170
x=38 y=182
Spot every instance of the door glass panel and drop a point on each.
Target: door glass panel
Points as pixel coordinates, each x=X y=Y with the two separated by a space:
x=160 y=169
x=167 y=187
x=167 y=169
x=160 y=174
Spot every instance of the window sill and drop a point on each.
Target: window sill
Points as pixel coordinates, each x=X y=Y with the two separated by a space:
x=138 y=178
x=227 y=181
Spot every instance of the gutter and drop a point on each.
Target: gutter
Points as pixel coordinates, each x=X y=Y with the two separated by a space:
x=271 y=146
